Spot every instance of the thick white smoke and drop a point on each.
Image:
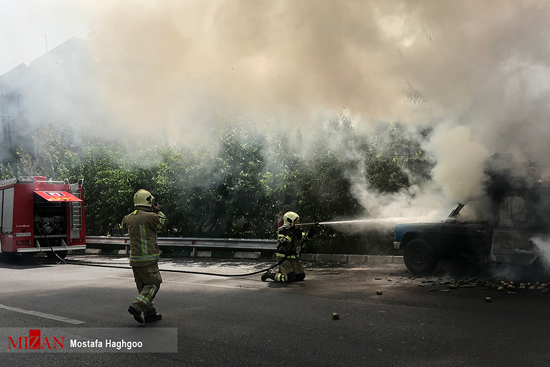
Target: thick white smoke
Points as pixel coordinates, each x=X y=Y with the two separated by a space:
x=476 y=72
x=542 y=246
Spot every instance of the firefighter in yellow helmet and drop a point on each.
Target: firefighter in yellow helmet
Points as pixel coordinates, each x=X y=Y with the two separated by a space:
x=289 y=237
x=142 y=225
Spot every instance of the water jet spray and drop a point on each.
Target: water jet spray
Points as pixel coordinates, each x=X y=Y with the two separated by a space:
x=355 y=221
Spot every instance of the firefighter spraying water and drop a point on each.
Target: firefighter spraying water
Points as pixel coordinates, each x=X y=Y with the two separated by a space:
x=289 y=240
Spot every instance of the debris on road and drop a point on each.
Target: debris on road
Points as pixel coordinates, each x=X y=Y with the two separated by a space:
x=489 y=284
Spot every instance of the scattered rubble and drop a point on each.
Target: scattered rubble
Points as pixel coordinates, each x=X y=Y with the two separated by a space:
x=488 y=284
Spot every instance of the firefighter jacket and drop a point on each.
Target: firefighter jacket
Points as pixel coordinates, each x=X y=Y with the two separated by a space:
x=142 y=225
x=288 y=240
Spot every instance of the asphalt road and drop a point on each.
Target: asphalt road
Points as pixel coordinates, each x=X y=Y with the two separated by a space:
x=242 y=321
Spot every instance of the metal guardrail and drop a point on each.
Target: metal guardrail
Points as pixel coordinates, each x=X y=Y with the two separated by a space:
x=193 y=243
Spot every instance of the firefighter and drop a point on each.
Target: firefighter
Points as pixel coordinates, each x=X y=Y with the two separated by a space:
x=142 y=225
x=289 y=238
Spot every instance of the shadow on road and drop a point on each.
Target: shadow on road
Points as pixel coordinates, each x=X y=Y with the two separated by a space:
x=21 y=262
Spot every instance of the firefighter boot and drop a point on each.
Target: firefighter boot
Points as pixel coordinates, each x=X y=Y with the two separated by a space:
x=270 y=274
x=151 y=315
x=136 y=313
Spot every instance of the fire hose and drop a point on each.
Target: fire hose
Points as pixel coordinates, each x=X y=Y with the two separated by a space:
x=87 y=263
x=104 y=265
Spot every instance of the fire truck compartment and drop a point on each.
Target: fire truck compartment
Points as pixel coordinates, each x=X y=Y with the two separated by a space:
x=40 y=215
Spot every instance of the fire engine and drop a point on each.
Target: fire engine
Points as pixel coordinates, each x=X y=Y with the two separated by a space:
x=38 y=215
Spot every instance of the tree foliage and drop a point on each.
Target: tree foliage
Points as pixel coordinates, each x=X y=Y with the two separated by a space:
x=238 y=189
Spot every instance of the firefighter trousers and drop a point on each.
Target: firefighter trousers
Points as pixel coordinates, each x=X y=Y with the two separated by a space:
x=290 y=270
x=148 y=280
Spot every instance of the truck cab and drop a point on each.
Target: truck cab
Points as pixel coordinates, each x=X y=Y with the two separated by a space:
x=520 y=218
x=523 y=218
x=425 y=244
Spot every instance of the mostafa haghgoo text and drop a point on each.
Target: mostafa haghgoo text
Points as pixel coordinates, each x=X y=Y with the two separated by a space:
x=108 y=343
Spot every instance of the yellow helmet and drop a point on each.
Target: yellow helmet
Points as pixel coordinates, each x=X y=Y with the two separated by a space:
x=291 y=219
x=143 y=198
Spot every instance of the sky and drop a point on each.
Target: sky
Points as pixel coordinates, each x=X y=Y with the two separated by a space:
x=25 y=25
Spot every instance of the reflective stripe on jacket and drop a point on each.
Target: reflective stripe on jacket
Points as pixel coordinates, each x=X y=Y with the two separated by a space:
x=142 y=225
x=288 y=240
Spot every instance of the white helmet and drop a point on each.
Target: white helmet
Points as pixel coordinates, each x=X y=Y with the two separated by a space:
x=143 y=198
x=290 y=219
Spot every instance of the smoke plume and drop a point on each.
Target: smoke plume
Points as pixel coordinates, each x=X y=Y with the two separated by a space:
x=542 y=246
x=475 y=72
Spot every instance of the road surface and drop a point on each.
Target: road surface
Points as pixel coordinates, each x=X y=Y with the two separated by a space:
x=242 y=321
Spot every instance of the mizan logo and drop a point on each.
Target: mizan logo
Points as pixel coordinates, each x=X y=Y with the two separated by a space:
x=35 y=341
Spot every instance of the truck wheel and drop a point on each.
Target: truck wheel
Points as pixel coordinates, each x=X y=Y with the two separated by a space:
x=419 y=257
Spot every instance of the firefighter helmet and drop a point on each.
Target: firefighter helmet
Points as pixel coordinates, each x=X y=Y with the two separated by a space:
x=291 y=219
x=143 y=198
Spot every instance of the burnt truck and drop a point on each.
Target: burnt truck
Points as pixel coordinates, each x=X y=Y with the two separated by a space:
x=516 y=223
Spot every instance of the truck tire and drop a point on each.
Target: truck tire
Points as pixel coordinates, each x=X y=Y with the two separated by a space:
x=419 y=257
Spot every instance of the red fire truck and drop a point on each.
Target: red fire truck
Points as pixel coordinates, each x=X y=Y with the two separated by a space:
x=39 y=215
